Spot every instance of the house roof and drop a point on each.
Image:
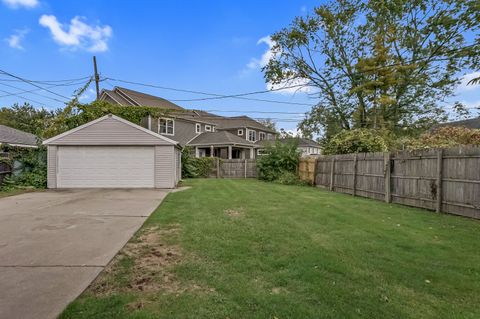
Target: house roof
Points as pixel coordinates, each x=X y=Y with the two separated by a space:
x=237 y=122
x=125 y=96
x=9 y=135
x=470 y=123
x=219 y=137
x=302 y=142
x=110 y=130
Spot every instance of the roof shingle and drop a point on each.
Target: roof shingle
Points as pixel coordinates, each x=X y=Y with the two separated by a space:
x=9 y=135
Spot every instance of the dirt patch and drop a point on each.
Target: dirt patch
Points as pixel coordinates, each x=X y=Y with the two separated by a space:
x=235 y=212
x=278 y=290
x=144 y=265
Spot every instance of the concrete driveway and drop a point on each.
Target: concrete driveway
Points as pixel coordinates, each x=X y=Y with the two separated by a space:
x=54 y=243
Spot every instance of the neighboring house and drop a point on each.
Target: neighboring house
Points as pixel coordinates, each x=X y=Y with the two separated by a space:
x=111 y=152
x=306 y=147
x=14 y=137
x=470 y=123
x=208 y=134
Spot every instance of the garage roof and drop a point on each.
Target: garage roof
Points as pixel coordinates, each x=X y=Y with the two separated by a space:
x=110 y=130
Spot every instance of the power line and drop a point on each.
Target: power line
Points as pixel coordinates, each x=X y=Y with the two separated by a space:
x=258 y=112
x=26 y=99
x=35 y=90
x=215 y=96
x=47 y=82
x=34 y=84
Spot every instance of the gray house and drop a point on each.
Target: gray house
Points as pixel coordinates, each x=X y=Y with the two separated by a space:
x=111 y=152
x=14 y=137
x=306 y=146
x=208 y=134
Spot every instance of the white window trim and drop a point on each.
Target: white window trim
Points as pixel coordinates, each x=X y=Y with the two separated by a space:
x=166 y=119
x=260 y=134
x=240 y=132
x=269 y=136
x=208 y=128
x=248 y=135
x=213 y=128
x=198 y=128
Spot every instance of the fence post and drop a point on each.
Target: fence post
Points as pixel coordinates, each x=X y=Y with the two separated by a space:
x=314 y=182
x=245 y=168
x=388 y=178
x=218 y=168
x=354 y=187
x=332 y=174
x=438 y=208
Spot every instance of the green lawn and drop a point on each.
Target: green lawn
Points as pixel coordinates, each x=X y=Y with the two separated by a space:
x=249 y=249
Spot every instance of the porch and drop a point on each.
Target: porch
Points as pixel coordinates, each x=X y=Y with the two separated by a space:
x=225 y=151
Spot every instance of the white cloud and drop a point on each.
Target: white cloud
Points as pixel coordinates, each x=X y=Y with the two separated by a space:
x=88 y=95
x=303 y=9
x=78 y=34
x=464 y=86
x=15 y=40
x=256 y=64
x=266 y=56
x=14 y=4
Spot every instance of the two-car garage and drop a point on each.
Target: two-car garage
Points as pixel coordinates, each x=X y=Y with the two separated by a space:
x=111 y=152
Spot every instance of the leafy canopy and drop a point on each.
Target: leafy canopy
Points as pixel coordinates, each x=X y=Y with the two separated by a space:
x=376 y=63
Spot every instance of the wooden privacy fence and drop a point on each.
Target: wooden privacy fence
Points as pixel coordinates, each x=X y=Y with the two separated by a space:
x=442 y=180
x=235 y=168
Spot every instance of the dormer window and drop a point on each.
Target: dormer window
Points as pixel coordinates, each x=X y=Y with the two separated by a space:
x=240 y=132
x=166 y=126
x=198 y=128
x=252 y=135
x=208 y=128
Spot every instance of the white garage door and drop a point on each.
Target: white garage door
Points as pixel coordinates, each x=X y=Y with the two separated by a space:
x=105 y=166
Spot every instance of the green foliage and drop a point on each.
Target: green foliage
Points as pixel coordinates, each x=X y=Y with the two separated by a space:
x=79 y=114
x=29 y=168
x=357 y=141
x=443 y=137
x=27 y=118
x=279 y=158
x=290 y=178
x=193 y=167
x=377 y=64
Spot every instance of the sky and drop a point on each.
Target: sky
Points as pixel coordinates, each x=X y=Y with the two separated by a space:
x=209 y=46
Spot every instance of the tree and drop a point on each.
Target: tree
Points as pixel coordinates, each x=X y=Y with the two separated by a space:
x=268 y=123
x=376 y=63
x=27 y=118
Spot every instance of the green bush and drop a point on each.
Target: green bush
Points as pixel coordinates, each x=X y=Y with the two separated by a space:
x=279 y=158
x=358 y=141
x=193 y=167
x=290 y=178
x=29 y=168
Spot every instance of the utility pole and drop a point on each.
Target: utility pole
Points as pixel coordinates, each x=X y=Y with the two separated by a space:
x=97 y=77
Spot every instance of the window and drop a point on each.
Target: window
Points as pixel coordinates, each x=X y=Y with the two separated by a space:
x=208 y=128
x=262 y=136
x=213 y=128
x=251 y=135
x=240 y=132
x=198 y=128
x=166 y=126
x=269 y=136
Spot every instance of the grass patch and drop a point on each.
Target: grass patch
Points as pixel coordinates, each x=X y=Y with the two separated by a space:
x=249 y=249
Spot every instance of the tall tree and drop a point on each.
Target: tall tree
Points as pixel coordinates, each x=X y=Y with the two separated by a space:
x=27 y=118
x=377 y=63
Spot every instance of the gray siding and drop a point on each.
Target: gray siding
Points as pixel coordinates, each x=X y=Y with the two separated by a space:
x=52 y=167
x=109 y=132
x=165 y=167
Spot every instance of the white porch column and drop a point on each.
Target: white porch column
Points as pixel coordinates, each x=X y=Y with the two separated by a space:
x=252 y=153
x=197 y=152
x=211 y=151
x=229 y=152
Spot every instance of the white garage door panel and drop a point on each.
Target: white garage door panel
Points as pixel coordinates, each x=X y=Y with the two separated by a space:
x=105 y=166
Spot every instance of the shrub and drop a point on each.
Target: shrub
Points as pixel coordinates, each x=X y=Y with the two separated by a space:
x=290 y=178
x=358 y=141
x=278 y=159
x=193 y=167
x=29 y=168
x=444 y=137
